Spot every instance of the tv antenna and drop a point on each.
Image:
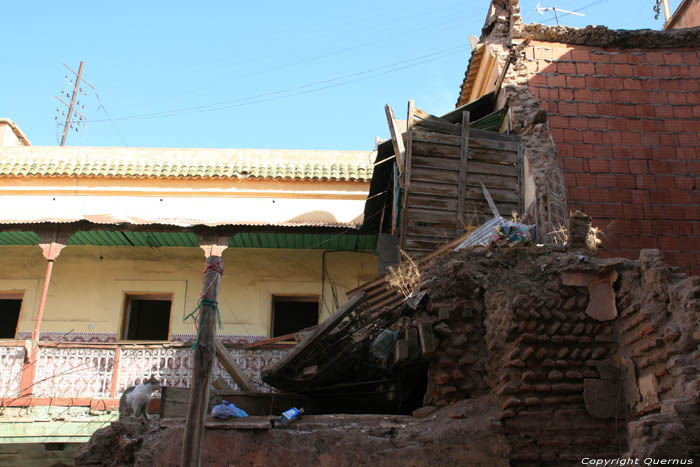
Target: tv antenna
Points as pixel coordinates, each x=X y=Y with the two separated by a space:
x=543 y=10
x=73 y=122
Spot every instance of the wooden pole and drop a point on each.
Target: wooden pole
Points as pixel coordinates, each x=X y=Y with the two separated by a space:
x=204 y=358
x=72 y=103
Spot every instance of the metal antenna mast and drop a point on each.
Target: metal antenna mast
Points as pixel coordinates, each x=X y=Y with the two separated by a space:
x=71 y=122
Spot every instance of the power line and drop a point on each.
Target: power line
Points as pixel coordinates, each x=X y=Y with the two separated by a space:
x=302 y=89
x=554 y=18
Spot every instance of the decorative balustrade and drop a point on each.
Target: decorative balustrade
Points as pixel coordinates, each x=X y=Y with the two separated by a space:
x=104 y=370
x=11 y=362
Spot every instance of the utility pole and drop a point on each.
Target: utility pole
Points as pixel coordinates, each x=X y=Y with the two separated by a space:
x=73 y=100
x=667 y=11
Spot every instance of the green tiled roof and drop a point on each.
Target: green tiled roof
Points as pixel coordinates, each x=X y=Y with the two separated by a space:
x=186 y=163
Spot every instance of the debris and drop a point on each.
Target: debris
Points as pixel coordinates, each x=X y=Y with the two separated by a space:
x=381 y=347
x=227 y=410
x=509 y=233
x=290 y=415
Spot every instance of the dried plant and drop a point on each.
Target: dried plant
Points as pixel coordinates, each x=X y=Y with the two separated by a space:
x=405 y=277
x=560 y=236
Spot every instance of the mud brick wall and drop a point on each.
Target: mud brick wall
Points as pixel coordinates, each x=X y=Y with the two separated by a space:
x=626 y=126
x=659 y=352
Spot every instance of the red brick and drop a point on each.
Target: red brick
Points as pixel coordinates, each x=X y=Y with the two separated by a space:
x=558 y=121
x=690 y=213
x=650 y=84
x=538 y=80
x=624 y=110
x=641 y=152
x=644 y=181
x=664 y=152
x=573 y=164
x=671 y=84
x=583 y=95
x=593 y=210
x=685 y=183
x=565 y=149
x=663 y=111
x=605 y=180
x=636 y=58
x=683 y=111
x=644 y=110
x=566 y=68
x=682 y=228
x=567 y=108
x=600 y=56
x=579 y=123
x=671 y=58
x=557 y=134
x=638 y=166
x=653 y=125
x=642 y=70
x=583 y=150
x=681 y=71
x=604 y=150
x=625 y=181
x=597 y=123
x=585 y=68
x=572 y=136
x=576 y=81
x=631 y=138
x=673 y=125
x=658 y=97
x=586 y=108
x=640 y=196
x=661 y=71
x=606 y=109
x=667 y=182
x=690 y=85
x=660 y=196
x=688 y=139
x=614 y=211
x=668 y=139
x=631 y=83
x=678 y=168
x=690 y=58
x=556 y=80
x=655 y=58
x=592 y=137
x=694 y=72
x=620 y=196
x=598 y=95
x=599 y=165
x=680 y=196
x=580 y=55
x=659 y=167
x=622 y=152
x=585 y=179
x=617 y=57
x=599 y=195
x=565 y=94
x=623 y=70
x=619 y=166
x=577 y=193
x=677 y=98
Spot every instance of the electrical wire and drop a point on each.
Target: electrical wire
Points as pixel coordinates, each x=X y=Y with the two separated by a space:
x=109 y=117
x=302 y=89
x=554 y=18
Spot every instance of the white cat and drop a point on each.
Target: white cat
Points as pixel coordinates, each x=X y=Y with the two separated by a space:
x=134 y=401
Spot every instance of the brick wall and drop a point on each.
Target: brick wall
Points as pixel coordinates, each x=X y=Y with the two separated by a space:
x=626 y=124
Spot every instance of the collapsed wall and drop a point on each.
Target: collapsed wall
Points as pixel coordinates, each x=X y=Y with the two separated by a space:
x=549 y=354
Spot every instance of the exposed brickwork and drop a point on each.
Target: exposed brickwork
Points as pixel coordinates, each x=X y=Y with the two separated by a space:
x=626 y=126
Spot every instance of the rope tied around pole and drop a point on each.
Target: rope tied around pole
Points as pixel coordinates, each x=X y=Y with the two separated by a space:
x=206 y=302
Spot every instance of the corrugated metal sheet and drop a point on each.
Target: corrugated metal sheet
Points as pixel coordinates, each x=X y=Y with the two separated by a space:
x=18 y=238
x=303 y=241
x=344 y=242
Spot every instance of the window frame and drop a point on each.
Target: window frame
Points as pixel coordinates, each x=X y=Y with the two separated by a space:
x=14 y=295
x=129 y=297
x=292 y=298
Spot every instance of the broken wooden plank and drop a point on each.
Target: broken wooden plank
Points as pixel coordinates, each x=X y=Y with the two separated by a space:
x=310 y=371
x=400 y=351
x=428 y=343
x=413 y=343
x=396 y=138
x=463 y=161
x=272 y=340
x=489 y=200
x=232 y=368
x=321 y=330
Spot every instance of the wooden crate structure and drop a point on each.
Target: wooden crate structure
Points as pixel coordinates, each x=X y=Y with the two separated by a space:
x=444 y=165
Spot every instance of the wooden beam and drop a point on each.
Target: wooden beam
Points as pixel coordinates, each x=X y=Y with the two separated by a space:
x=272 y=340
x=396 y=137
x=232 y=368
x=489 y=200
x=407 y=172
x=463 y=161
x=203 y=356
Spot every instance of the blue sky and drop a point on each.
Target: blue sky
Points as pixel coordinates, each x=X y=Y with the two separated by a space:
x=267 y=74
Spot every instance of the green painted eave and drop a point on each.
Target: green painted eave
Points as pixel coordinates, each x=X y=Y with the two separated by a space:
x=304 y=241
x=343 y=241
x=19 y=238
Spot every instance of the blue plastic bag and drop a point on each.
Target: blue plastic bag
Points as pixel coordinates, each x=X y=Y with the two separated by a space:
x=226 y=410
